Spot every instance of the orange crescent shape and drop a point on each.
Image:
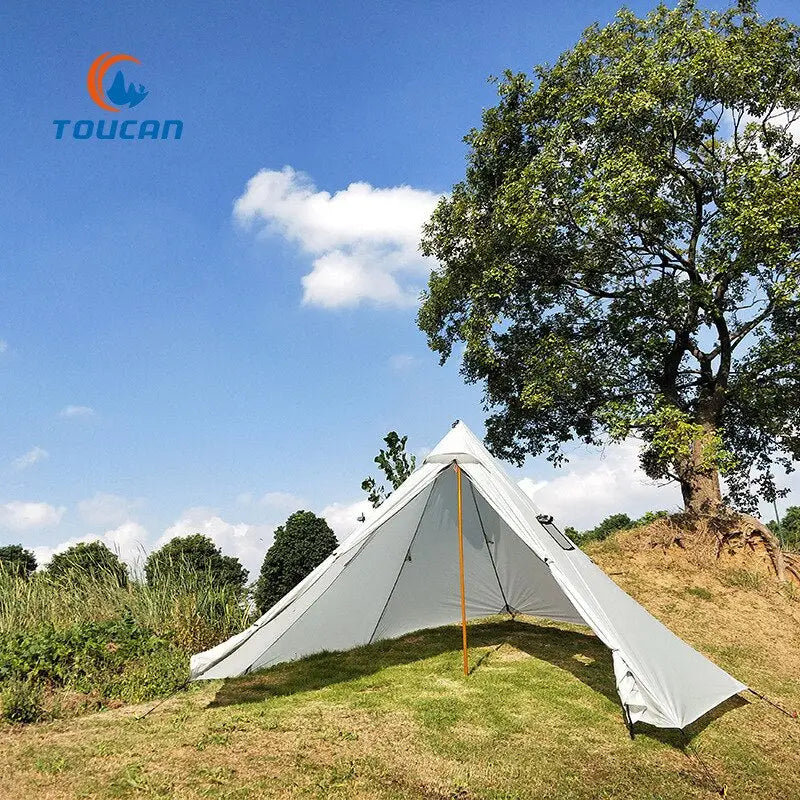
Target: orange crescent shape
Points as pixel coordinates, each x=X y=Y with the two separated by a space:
x=97 y=72
x=91 y=79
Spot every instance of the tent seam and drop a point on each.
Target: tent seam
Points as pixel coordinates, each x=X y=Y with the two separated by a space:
x=488 y=549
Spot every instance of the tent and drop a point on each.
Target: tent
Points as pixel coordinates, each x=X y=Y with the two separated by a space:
x=460 y=539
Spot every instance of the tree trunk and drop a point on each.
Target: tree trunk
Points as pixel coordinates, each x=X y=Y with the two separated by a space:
x=702 y=497
x=699 y=483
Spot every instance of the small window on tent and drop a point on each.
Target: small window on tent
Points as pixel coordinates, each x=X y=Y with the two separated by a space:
x=546 y=521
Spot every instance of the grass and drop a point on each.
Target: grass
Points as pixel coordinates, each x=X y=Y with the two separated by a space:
x=700 y=592
x=538 y=717
x=77 y=643
x=188 y=611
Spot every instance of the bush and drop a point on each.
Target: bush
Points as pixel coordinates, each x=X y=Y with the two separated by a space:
x=118 y=659
x=88 y=559
x=612 y=524
x=15 y=560
x=86 y=640
x=21 y=701
x=197 y=559
x=789 y=530
x=650 y=516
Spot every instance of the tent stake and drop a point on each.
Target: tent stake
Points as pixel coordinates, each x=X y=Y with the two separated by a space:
x=164 y=700
x=792 y=714
x=626 y=715
x=461 y=572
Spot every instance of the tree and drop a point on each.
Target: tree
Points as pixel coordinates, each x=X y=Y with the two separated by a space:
x=300 y=545
x=16 y=560
x=396 y=464
x=610 y=525
x=195 y=558
x=88 y=560
x=789 y=529
x=623 y=255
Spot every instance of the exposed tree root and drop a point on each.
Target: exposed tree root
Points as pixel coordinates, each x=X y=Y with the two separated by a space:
x=725 y=532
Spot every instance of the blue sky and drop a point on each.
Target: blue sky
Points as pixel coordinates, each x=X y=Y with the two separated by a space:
x=164 y=366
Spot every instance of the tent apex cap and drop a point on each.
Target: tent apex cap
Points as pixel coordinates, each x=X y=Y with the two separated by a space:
x=460 y=444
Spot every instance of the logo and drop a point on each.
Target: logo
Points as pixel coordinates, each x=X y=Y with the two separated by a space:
x=117 y=94
x=120 y=94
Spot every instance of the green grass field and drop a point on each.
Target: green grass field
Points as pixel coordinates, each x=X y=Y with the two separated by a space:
x=538 y=717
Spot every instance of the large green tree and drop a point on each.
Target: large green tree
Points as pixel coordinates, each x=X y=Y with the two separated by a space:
x=300 y=545
x=16 y=560
x=395 y=463
x=623 y=255
x=194 y=558
x=88 y=560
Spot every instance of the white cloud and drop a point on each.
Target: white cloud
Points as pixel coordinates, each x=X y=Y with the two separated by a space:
x=128 y=541
x=248 y=543
x=343 y=517
x=18 y=515
x=401 y=362
x=591 y=487
x=33 y=456
x=76 y=411
x=363 y=239
x=282 y=502
x=3 y=346
x=106 y=509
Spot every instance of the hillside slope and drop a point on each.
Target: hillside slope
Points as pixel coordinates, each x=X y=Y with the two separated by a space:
x=537 y=718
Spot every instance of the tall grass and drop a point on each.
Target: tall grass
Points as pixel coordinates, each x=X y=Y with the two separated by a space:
x=104 y=639
x=187 y=609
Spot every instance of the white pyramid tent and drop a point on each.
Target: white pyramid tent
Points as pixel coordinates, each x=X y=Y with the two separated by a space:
x=400 y=571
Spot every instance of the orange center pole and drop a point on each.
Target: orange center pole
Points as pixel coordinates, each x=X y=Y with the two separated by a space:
x=461 y=571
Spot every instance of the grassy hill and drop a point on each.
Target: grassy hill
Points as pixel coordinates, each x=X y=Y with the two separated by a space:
x=537 y=718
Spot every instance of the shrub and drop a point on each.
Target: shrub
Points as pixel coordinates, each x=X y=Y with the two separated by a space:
x=118 y=658
x=648 y=517
x=612 y=524
x=15 y=560
x=85 y=560
x=21 y=701
x=87 y=640
x=790 y=529
x=197 y=559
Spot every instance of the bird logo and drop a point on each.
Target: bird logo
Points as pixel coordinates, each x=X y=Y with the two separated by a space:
x=119 y=94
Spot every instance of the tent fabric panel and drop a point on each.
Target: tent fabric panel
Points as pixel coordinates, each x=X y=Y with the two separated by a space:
x=241 y=657
x=238 y=654
x=684 y=683
x=528 y=584
x=348 y=612
x=427 y=593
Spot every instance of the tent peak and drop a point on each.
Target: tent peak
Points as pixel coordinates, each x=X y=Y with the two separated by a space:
x=459 y=444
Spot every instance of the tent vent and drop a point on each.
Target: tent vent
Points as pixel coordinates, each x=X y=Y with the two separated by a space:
x=546 y=521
